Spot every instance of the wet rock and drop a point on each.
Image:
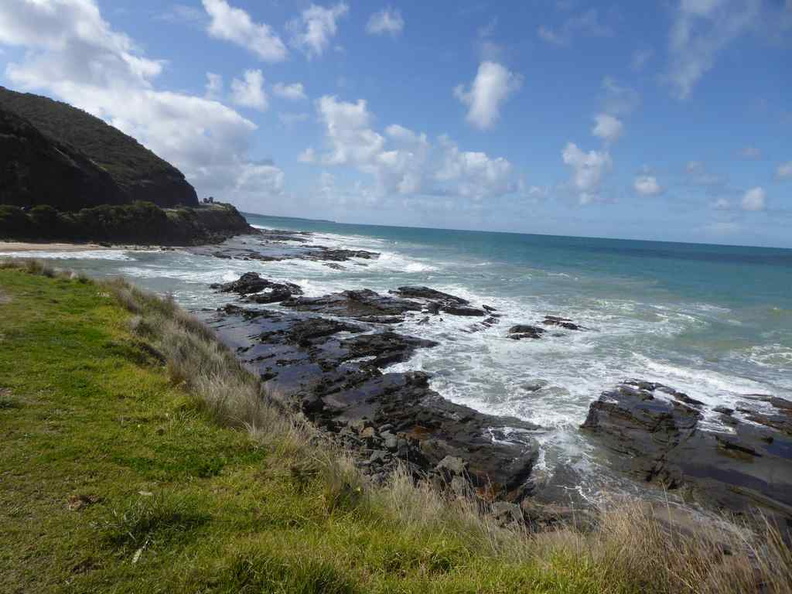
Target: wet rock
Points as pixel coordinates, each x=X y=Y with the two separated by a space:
x=657 y=437
x=561 y=322
x=340 y=363
x=325 y=254
x=258 y=289
x=484 y=324
x=437 y=301
x=276 y=246
x=535 y=385
x=282 y=236
x=522 y=331
x=364 y=305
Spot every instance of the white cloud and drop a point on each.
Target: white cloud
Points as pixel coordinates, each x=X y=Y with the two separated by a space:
x=315 y=28
x=586 y=23
x=493 y=85
x=701 y=30
x=640 y=58
x=587 y=170
x=293 y=91
x=698 y=174
x=289 y=119
x=249 y=91
x=307 y=156
x=784 y=170
x=647 y=185
x=754 y=199
x=385 y=22
x=214 y=85
x=235 y=25
x=750 y=152
x=607 y=127
x=617 y=99
x=404 y=162
x=73 y=54
x=184 y=14
x=721 y=204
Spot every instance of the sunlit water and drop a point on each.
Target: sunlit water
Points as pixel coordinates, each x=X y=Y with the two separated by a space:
x=712 y=321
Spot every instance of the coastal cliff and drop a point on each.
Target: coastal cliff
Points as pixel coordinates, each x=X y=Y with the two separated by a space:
x=55 y=154
x=68 y=176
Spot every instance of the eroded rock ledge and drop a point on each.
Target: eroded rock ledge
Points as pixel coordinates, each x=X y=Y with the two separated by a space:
x=657 y=434
x=332 y=370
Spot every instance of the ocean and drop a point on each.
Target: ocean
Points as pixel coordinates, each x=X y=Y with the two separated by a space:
x=712 y=321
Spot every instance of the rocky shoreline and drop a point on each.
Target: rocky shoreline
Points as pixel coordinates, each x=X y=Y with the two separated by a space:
x=328 y=356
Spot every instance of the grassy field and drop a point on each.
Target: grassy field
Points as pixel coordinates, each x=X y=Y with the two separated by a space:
x=128 y=466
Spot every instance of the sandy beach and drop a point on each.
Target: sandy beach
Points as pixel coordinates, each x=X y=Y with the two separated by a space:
x=19 y=246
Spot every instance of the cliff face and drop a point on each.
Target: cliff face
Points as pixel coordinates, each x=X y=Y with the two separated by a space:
x=36 y=170
x=56 y=154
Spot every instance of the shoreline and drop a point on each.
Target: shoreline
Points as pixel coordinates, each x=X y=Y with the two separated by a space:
x=26 y=246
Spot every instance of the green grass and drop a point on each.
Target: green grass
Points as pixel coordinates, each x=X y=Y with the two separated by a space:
x=170 y=500
x=116 y=475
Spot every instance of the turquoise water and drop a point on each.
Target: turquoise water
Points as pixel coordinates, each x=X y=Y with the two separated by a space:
x=713 y=321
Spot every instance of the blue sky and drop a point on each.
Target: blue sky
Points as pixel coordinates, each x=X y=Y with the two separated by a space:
x=653 y=120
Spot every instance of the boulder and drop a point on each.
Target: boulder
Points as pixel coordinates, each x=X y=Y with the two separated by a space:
x=524 y=331
x=561 y=322
x=259 y=290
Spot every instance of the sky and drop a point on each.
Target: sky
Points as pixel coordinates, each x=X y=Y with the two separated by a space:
x=667 y=120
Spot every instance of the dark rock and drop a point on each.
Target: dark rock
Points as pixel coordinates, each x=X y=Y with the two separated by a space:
x=562 y=322
x=437 y=301
x=506 y=514
x=309 y=357
x=523 y=331
x=535 y=385
x=362 y=305
x=251 y=282
x=325 y=254
x=658 y=438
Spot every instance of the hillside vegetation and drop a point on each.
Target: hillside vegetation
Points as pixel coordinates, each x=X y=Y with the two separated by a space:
x=136 y=172
x=139 y=223
x=139 y=456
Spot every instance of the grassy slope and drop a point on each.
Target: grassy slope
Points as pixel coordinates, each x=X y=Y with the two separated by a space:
x=182 y=504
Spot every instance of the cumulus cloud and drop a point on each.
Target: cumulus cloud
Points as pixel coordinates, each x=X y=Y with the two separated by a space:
x=701 y=30
x=74 y=54
x=404 y=162
x=249 y=91
x=647 y=185
x=235 y=25
x=315 y=28
x=587 y=23
x=587 y=168
x=784 y=170
x=754 y=199
x=607 y=127
x=493 y=85
x=385 y=22
x=293 y=91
